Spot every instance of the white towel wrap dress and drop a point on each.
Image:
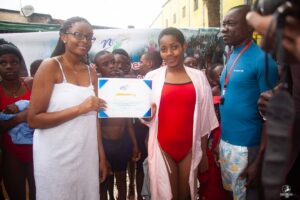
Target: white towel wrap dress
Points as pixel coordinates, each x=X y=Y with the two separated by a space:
x=66 y=162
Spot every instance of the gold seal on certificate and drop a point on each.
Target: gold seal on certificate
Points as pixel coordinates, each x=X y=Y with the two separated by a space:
x=125 y=97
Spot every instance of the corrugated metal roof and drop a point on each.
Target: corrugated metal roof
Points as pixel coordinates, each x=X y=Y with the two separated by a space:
x=14 y=27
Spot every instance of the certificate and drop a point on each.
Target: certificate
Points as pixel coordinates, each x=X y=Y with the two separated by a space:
x=125 y=97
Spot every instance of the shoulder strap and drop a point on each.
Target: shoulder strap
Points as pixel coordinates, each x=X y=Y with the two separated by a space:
x=62 y=71
x=88 y=67
x=25 y=84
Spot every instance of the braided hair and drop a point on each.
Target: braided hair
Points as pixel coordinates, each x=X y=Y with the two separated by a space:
x=60 y=46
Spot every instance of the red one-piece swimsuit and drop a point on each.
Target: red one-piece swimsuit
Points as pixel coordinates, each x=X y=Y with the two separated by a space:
x=175 y=119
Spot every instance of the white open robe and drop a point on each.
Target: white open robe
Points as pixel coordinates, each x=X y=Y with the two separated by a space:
x=204 y=121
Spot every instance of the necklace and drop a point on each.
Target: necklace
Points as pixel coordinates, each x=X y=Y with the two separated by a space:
x=13 y=93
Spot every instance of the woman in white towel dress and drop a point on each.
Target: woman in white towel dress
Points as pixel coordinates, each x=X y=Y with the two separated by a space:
x=67 y=146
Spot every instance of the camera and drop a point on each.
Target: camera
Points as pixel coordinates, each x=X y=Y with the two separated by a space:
x=279 y=9
x=267 y=7
x=285 y=7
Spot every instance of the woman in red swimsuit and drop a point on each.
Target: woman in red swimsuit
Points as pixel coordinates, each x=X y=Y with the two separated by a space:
x=178 y=131
x=17 y=158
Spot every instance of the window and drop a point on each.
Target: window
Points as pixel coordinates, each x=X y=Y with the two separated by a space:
x=174 y=18
x=196 y=5
x=166 y=23
x=248 y=2
x=183 y=12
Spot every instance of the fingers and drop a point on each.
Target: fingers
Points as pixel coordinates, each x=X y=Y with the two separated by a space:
x=102 y=103
x=249 y=177
x=263 y=24
x=249 y=181
x=136 y=157
x=92 y=103
x=259 y=23
x=243 y=174
x=22 y=116
x=153 y=107
x=216 y=157
x=97 y=103
x=263 y=101
x=103 y=172
x=102 y=179
x=153 y=113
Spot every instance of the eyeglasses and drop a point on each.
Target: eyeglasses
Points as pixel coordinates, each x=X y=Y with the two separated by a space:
x=80 y=36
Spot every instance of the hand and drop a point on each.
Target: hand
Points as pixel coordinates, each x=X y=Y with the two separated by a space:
x=11 y=109
x=153 y=113
x=136 y=154
x=92 y=103
x=204 y=163
x=291 y=33
x=251 y=174
x=109 y=169
x=261 y=25
x=216 y=153
x=264 y=99
x=22 y=116
x=103 y=171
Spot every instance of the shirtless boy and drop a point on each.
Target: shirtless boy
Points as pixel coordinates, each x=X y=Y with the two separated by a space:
x=117 y=143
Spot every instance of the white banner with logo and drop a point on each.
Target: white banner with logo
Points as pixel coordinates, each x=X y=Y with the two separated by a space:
x=39 y=45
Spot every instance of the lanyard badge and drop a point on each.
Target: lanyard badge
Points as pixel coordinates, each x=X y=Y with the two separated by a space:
x=222 y=100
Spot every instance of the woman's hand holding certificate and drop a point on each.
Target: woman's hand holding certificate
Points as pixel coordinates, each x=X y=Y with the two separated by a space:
x=125 y=97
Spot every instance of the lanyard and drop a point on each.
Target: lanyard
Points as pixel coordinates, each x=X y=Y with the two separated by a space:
x=227 y=76
x=234 y=62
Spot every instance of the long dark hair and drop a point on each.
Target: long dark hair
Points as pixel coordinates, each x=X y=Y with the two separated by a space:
x=9 y=48
x=60 y=46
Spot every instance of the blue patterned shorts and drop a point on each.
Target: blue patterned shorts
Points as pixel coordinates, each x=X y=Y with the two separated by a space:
x=233 y=160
